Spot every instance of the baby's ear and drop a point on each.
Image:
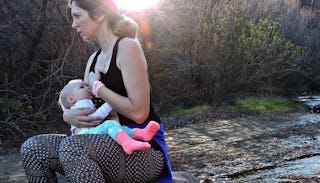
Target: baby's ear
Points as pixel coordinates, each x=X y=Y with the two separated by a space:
x=71 y=100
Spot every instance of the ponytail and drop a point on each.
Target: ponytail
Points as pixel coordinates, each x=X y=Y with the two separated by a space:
x=123 y=26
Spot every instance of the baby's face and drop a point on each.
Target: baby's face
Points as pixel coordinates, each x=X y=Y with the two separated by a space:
x=81 y=90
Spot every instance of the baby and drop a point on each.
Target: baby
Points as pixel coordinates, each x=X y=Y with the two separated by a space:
x=77 y=94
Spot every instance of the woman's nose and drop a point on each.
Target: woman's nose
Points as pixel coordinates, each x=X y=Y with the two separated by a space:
x=74 y=24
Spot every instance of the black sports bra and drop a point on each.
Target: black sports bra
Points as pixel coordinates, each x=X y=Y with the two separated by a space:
x=114 y=81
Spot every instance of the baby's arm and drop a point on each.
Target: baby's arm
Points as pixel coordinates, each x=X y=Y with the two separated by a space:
x=102 y=111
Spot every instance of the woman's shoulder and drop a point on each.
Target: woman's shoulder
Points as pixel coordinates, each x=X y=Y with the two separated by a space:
x=129 y=47
x=128 y=42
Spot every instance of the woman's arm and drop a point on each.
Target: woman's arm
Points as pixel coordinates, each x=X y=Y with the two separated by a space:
x=132 y=63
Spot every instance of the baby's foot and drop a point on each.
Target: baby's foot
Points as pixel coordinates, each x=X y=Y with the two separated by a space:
x=147 y=133
x=130 y=145
x=135 y=145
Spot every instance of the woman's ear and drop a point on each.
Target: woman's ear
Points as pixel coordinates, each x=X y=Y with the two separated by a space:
x=101 y=18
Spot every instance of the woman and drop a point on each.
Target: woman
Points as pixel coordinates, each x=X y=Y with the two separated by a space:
x=121 y=67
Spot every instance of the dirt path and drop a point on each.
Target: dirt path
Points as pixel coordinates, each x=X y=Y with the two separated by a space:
x=229 y=150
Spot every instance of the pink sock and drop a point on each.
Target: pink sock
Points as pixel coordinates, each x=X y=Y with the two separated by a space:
x=147 y=133
x=130 y=145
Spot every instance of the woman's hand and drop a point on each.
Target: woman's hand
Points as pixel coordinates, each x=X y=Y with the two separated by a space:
x=80 y=119
x=93 y=76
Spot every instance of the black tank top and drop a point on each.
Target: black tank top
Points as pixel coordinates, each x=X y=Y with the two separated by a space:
x=114 y=81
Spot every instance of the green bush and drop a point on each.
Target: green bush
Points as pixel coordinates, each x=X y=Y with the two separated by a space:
x=243 y=56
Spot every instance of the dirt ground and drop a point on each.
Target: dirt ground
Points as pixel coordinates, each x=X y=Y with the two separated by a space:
x=225 y=147
x=231 y=149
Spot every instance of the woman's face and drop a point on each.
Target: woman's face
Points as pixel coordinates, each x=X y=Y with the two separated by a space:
x=83 y=23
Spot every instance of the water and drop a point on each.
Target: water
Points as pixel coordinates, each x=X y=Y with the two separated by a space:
x=313 y=101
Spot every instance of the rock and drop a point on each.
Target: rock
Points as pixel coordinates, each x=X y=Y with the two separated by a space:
x=183 y=177
x=316 y=108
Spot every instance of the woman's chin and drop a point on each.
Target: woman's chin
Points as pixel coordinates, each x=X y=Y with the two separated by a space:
x=86 y=39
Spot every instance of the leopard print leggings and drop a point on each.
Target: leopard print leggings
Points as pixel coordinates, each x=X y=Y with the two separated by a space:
x=87 y=158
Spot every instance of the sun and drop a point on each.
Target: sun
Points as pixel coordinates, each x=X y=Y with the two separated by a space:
x=137 y=5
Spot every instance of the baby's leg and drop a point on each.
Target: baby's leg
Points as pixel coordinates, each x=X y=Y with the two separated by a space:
x=147 y=133
x=114 y=130
x=128 y=130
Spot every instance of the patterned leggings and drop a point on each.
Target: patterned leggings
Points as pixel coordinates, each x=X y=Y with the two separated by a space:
x=87 y=158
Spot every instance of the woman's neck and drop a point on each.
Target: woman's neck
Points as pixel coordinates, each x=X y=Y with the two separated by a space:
x=106 y=39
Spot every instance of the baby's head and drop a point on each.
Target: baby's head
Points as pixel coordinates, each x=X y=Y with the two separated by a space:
x=73 y=91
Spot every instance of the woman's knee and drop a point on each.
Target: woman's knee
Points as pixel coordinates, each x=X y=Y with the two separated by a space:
x=85 y=146
x=41 y=143
x=72 y=147
x=31 y=145
x=67 y=144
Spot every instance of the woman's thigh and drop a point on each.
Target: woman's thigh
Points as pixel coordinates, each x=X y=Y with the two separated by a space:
x=101 y=155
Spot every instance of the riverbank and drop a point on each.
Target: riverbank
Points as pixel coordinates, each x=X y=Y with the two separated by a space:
x=231 y=147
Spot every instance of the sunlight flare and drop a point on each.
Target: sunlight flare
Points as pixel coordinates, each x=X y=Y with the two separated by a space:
x=137 y=5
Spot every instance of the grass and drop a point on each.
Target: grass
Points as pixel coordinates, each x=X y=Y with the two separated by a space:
x=180 y=111
x=256 y=104
x=265 y=104
x=192 y=109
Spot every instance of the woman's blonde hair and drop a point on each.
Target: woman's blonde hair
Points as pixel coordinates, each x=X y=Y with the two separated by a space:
x=121 y=25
